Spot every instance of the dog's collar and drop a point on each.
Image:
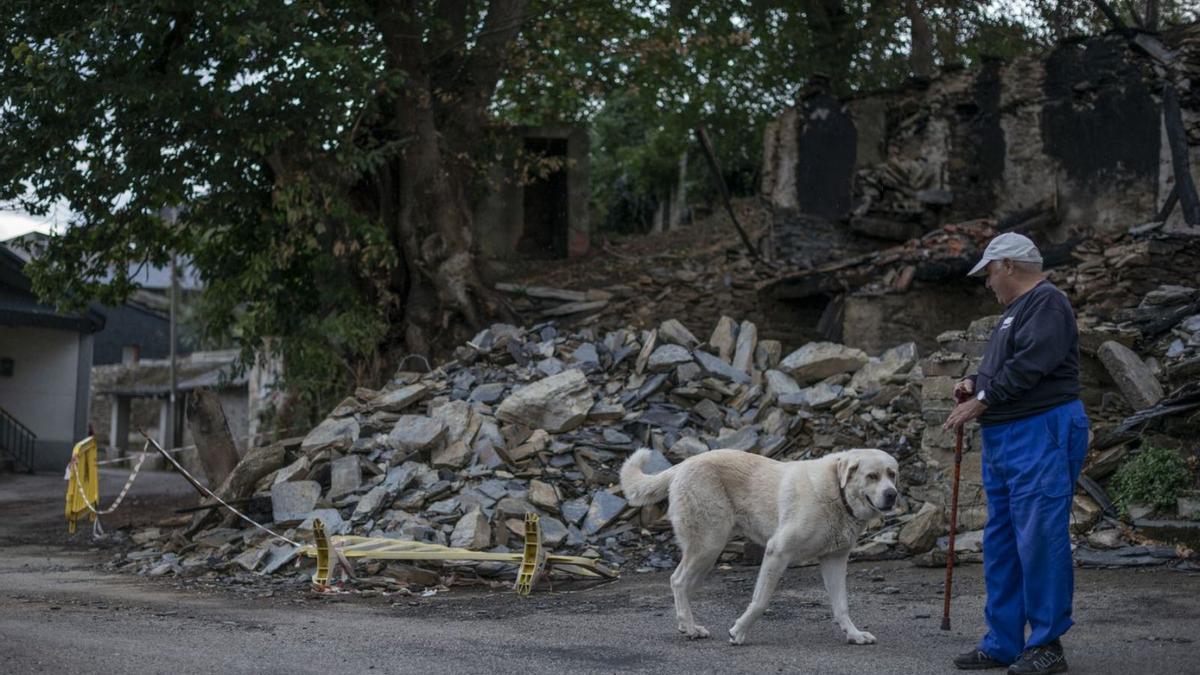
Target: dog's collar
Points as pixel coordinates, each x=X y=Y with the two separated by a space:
x=846 y=502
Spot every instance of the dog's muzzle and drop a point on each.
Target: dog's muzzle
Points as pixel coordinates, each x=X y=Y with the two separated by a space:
x=889 y=500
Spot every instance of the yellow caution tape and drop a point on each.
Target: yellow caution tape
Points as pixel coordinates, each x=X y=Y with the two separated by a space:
x=83 y=486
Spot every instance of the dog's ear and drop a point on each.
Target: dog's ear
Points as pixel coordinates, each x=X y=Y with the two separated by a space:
x=846 y=467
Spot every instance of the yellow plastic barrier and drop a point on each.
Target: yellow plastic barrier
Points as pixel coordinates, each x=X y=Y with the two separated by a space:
x=532 y=560
x=83 y=482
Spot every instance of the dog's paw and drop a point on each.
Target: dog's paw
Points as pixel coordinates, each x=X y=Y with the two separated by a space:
x=696 y=632
x=860 y=637
x=736 y=637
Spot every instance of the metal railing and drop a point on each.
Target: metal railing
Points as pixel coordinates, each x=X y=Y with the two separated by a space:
x=17 y=440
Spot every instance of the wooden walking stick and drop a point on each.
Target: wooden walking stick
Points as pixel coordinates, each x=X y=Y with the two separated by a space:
x=958 y=441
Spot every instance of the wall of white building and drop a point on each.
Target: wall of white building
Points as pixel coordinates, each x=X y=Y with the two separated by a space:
x=48 y=390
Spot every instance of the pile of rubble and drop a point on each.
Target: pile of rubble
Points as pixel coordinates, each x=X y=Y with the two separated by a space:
x=540 y=420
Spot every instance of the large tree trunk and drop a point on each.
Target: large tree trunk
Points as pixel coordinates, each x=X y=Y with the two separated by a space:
x=921 y=54
x=423 y=196
x=834 y=40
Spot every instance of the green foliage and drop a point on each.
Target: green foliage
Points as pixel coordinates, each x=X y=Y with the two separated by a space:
x=279 y=125
x=643 y=76
x=1155 y=476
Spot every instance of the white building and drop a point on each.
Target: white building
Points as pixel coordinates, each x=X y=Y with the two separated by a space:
x=45 y=370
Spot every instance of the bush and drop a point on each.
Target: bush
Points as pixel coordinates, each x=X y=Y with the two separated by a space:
x=1155 y=476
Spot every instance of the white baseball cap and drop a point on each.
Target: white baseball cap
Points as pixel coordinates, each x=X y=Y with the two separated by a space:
x=1009 y=245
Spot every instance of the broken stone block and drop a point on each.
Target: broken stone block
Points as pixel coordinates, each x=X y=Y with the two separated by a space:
x=674 y=332
x=550 y=366
x=1169 y=296
x=972 y=518
x=657 y=463
x=667 y=357
x=398 y=400
x=723 y=338
x=297 y=470
x=980 y=330
x=291 y=502
x=895 y=361
x=605 y=507
x=606 y=412
x=1092 y=337
x=648 y=346
x=687 y=446
x=460 y=420
x=944 y=364
x=452 y=456
x=780 y=383
x=536 y=443
x=586 y=355
x=574 y=510
x=371 y=502
x=251 y=558
x=767 y=354
x=330 y=518
x=747 y=341
x=489 y=393
x=744 y=439
x=398 y=477
x=718 y=368
x=544 y=495
x=817 y=397
x=1085 y=513
x=279 y=555
x=333 y=433
x=553 y=531
x=938 y=390
x=558 y=403
x=472 y=532
x=1106 y=539
x=515 y=507
x=417 y=433
x=1132 y=375
x=921 y=533
x=345 y=476
x=818 y=360
x=486 y=455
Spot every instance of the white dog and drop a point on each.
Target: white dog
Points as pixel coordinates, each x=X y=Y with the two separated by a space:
x=797 y=510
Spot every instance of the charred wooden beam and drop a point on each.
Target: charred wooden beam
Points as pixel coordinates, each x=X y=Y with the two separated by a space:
x=1169 y=205
x=719 y=181
x=1177 y=139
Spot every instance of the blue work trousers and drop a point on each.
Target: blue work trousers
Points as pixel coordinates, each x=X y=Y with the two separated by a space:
x=1029 y=470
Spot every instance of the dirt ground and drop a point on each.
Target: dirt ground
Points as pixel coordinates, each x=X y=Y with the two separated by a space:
x=61 y=612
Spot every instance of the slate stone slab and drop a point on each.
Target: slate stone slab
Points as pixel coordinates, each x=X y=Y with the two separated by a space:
x=605 y=507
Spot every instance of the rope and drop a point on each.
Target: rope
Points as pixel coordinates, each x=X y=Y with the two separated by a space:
x=247 y=438
x=208 y=493
x=97 y=529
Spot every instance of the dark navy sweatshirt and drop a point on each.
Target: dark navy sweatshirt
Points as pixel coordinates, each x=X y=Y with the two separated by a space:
x=1032 y=360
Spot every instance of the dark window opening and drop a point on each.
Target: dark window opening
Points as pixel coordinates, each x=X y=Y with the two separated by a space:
x=546 y=203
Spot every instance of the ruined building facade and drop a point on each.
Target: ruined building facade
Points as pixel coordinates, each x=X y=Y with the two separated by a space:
x=1079 y=129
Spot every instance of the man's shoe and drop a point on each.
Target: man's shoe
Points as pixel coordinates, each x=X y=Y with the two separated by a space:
x=1047 y=658
x=975 y=660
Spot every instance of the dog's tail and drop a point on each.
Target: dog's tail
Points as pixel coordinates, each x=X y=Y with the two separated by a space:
x=642 y=488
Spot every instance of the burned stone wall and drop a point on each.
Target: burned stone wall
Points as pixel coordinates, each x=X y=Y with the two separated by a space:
x=1078 y=128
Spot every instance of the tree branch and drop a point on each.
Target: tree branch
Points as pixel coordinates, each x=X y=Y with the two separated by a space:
x=490 y=56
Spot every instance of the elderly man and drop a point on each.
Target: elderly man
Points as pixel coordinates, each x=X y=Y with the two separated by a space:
x=1035 y=437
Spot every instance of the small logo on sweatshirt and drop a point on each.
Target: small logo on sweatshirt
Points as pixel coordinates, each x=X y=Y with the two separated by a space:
x=1006 y=323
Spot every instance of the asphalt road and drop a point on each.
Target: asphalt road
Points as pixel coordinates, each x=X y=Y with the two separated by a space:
x=59 y=612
